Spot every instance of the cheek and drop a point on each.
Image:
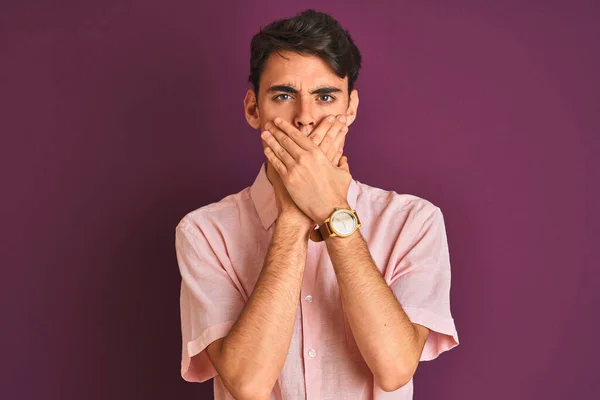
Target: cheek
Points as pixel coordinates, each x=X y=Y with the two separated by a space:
x=331 y=110
x=269 y=113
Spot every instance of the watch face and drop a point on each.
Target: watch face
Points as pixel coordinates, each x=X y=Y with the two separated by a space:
x=343 y=222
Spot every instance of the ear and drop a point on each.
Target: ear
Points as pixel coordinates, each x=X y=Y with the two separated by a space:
x=251 y=109
x=352 y=107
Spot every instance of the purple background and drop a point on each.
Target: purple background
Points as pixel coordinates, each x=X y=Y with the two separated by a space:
x=119 y=117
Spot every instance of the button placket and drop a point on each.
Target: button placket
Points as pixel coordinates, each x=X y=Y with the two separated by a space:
x=311 y=326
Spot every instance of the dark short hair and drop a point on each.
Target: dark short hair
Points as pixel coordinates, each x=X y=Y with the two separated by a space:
x=309 y=32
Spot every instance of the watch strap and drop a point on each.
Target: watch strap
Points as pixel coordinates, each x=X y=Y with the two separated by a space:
x=318 y=235
x=324 y=230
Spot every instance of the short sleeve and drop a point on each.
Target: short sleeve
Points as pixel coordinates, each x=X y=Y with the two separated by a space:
x=421 y=284
x=210 y=303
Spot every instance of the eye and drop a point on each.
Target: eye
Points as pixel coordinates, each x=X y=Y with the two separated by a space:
x=327 y=98
x=279 y=98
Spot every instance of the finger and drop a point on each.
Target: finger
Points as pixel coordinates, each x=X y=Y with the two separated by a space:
x=341 y=137
x=338 y=142
x=285 y=141
x=279 y=151
x=298 y=140
x=337 y=157
x=275 y=162
x=319 y=132
x=329 y=138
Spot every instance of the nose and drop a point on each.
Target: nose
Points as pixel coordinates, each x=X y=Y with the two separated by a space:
x=305 y=119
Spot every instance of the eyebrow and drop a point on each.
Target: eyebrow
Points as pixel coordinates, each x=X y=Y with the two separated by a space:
x=287 y=88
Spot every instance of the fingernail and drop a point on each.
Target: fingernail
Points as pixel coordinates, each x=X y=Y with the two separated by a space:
x=277 y=120
x=331 y=118
x=265 y=134
x=343 y=118
x=268 y=125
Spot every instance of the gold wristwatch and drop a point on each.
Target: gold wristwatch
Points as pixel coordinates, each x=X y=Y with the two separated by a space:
x=342 y=222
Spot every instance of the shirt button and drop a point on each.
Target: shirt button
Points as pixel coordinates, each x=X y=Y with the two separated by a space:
x=312 y=353
x=308 y=298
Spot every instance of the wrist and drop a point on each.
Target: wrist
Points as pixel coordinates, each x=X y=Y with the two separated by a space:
x=326 y=212
x=299 y=221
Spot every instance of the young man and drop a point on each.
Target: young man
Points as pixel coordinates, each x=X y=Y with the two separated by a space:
x=274 y=309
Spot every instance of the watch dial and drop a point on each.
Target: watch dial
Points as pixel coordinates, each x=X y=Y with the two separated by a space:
x=343 y=222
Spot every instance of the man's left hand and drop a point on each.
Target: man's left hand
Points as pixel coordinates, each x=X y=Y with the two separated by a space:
x=313 y=182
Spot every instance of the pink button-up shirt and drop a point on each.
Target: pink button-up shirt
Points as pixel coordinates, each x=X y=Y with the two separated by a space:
x=221 y=249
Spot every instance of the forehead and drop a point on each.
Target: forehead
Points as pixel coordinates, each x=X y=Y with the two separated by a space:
x=302 y=70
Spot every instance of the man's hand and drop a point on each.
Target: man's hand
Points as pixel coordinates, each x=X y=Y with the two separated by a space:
x=329 y=135
x=285 y=204
x=315 y=185
x=330 y=127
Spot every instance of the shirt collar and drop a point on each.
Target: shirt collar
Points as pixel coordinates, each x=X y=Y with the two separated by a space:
x=263 y=196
